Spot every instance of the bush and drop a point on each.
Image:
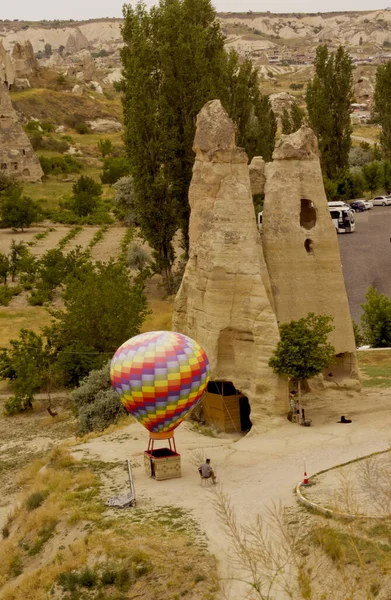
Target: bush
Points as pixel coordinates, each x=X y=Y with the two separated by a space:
x=35 y=500
x=96 y=402
x=40 y=296
x=108 y=577
x=114 y=168
x=17 y=404
x=88 y=578
x=82 y=128
x=56 y=165
x=7 y=293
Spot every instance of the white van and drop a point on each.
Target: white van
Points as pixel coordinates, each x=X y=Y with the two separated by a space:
x=343 y=219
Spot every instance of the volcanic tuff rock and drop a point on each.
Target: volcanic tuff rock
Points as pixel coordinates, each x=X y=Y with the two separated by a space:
x=24 y=59
x=281 y=101
x=257 y=175
x=17 y=157
x=301 y=249
x=223 y=301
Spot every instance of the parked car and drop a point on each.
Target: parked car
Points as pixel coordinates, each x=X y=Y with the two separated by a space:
x=368 y=204
x=381 y=201
x=358 y=206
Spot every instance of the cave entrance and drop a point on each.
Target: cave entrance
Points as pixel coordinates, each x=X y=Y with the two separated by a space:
x=342 y=367
x=307 y=214
x=226 y=408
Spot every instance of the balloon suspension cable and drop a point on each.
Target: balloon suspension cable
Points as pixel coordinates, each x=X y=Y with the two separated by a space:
x=169 y=435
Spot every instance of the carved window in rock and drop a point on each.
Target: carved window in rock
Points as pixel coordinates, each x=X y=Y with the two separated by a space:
x=308 y=246
x=26 y=173
x=307 y=214
x=3 y=166
x=14 y=166
x=24 y=152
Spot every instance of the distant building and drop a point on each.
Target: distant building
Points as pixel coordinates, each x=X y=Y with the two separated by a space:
x=17 y=156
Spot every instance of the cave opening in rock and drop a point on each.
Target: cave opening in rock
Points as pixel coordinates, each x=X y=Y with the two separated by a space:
x=307 y=214
x=226 y=408
x=308 y=246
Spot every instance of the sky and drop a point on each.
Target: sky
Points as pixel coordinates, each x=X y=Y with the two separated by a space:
x=89 y=9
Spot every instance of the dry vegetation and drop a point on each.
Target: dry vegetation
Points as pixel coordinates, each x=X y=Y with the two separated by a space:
x=62 y=541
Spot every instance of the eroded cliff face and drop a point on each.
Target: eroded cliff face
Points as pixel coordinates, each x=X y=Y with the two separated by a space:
x=223 y=301
x=17 y=157
x=301 y=249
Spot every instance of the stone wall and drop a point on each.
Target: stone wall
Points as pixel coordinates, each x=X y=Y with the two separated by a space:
x=223 y=301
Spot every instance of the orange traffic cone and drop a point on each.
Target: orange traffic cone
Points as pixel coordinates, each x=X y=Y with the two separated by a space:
x=305 y=479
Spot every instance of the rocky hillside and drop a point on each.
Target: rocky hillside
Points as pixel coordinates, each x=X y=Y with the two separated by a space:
x=355 y=29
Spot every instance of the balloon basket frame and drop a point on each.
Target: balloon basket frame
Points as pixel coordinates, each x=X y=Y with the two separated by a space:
x=162 y=463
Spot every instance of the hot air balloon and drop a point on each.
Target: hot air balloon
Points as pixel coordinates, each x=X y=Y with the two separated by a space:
x=160 y=376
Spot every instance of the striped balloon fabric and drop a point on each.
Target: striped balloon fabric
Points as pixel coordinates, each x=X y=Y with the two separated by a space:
x=160 y=376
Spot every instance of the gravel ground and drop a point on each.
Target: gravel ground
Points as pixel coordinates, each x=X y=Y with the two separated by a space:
x=366 y=256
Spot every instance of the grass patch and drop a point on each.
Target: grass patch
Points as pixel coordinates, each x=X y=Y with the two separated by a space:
x=13 y=320
x=346 y=549
x=35 y=500
x=377 y=376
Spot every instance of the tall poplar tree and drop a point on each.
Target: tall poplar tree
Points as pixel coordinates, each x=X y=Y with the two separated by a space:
x=174 y=61
x=329 y=96
x=382 y=106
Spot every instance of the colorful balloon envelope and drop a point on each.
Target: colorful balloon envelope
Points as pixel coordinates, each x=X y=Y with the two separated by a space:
x=160 y=376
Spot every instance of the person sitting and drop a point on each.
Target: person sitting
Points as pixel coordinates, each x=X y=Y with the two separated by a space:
x=206 y=471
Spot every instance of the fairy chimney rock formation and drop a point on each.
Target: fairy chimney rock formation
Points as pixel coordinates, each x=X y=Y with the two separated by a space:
x=301 y=248
x=223 y=301
x=24 y=59
x=257 y=175
x=17 y=157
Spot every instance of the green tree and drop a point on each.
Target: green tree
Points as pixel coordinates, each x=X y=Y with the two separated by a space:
x=297 y=116
x=252 y=112
x=174 y=62
x=24 y=364
x=329 y=96
x=48 y=50
x=114 y=167
x=303 y=350
x=105 y=147
x=4 y=267
x=18 y=251
x=86 y=193
x=286 y=124
x=372 y=176
x=18 y=211
x=376 y=319
x=110 y=308
x=382 y=106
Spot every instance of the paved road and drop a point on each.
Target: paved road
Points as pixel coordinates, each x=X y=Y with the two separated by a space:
x=366 y=256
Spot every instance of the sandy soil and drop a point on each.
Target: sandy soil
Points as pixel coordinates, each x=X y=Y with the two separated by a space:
x=109 y=246
x=256 y=471
x=7 y=235
x=361 y=487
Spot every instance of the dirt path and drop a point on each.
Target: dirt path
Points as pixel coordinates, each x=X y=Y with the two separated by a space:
x=257 y=471
x=109 y=246
x=82 y=239
x=51 y=240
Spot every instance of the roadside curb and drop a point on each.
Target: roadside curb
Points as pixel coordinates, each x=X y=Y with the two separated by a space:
x=328 y=512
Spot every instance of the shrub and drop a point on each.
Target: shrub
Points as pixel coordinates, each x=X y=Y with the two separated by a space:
x=56 y=165
x=82 y=128
x=108 y=577
x=7 y=293
x=35 y=500
x=96 y=402
x=114 y=168
x=88 y=578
